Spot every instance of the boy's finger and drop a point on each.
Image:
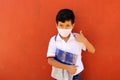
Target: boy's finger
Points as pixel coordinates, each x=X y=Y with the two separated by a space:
x=81 y=32
x=76 y=66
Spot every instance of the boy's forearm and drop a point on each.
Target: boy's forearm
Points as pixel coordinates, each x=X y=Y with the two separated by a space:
x=57 y=64
x=89 y=46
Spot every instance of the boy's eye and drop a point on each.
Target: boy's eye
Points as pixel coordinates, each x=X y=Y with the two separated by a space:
x=61 y=26
x=68 y=26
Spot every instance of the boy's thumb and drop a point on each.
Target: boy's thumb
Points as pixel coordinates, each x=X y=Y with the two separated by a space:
x=81 y=32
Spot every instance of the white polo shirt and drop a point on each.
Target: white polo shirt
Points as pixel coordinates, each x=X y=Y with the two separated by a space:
x=71 y=46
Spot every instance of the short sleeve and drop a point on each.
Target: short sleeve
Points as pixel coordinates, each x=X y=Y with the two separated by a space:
x=51 y=48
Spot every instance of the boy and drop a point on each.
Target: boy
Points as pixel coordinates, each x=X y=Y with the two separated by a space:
x=65 y=48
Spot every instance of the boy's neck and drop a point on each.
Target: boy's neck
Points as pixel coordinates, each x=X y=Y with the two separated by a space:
x=65 y=38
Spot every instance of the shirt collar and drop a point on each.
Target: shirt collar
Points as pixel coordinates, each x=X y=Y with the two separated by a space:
x=72 y=37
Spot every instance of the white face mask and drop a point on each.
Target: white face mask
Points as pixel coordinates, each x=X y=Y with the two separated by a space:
x=64 y=32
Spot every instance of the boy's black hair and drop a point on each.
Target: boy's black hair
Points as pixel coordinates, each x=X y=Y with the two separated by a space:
x=65 y=15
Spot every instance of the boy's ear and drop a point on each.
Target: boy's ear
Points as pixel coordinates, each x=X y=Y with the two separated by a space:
x=73 y=24
x=56 y=24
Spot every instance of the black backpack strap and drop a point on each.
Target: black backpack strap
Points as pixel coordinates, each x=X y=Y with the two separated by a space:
x=55 y=37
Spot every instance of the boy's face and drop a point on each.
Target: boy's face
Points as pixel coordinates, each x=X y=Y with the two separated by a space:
x=65 y=25
x=65 y=28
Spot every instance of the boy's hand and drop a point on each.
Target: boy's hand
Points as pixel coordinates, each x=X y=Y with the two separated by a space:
x=72 y=69
x=80 y=37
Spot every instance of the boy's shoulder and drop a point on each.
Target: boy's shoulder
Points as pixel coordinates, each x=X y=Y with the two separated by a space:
x=75 y=33
x=53 y=38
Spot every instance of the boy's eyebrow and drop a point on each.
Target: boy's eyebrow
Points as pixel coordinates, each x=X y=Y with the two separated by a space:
x=60 y=24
